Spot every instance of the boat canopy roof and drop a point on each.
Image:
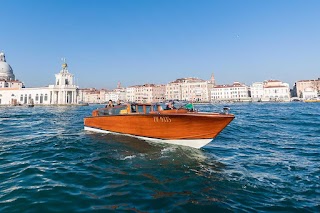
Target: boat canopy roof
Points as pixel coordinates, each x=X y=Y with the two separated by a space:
x=138 y=108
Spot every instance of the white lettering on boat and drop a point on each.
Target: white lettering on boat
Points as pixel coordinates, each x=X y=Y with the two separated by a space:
x=161 y=119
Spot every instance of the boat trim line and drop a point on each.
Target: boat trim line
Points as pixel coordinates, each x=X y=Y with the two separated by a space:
x=194 y=143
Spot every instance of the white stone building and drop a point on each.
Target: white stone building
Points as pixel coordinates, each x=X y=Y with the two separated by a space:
x=12 y=92
x=270 y=90
x=158 y=93
x=235 y=92
x=92 y=95
x=275 y=90
x=116 y=94
x=148 y=93
x=174 y=90
x=130 y=94
x=189 y=89
x=257 y=91
x=10 y=84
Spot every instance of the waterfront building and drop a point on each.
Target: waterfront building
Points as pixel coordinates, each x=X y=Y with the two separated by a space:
x=275 y=90
x=130 y=94
x=148 y=93
x=235 y=92
x=257 y=91
x=13 y=92
x=142 y=94
x=173 y=90
x=190 y=89
x=64 y=91
x=92 y=95
x=307 y=89
x=270 y=90
x=116 y=94
x=158 y=93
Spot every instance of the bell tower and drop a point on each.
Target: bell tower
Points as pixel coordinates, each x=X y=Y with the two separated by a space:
x=212 y=80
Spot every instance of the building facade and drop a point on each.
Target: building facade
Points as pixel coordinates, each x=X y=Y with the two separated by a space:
x=257 y=91
x=130 y=94
x=92 y=95
x=235 y=92
x=275 y=90
x=307 y=89
x=147 y=93
x=13 y=92
x=270 y=90
x=190 y=89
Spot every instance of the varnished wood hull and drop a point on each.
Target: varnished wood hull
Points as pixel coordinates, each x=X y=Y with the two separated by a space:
x=193 y=129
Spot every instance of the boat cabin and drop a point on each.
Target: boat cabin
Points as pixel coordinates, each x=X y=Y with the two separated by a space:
x=136 y=108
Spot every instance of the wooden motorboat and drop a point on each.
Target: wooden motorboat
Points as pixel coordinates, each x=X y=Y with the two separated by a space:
x=150 y=122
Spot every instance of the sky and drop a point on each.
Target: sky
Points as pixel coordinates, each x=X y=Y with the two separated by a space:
x=157 y=41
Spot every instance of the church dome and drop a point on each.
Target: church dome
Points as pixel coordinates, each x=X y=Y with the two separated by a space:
x=6 y=71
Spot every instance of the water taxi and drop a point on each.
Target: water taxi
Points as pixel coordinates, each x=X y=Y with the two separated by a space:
x=151 y=122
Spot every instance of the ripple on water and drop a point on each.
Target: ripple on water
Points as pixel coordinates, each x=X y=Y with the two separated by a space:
x=267 y=159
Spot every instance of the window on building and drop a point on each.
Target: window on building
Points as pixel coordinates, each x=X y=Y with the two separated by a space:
x=37 y=97
x=45 y=97
x=21 y=98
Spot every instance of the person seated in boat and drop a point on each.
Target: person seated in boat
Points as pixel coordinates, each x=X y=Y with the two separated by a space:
x=118 y=102
x=109 y=107
x=133 y=108
x=110 y=104
x=170 y=106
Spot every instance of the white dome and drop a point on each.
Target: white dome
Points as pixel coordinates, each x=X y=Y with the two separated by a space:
x=6 y=71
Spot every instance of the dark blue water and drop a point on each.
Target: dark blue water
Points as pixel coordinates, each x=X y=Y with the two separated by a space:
x=267 y=159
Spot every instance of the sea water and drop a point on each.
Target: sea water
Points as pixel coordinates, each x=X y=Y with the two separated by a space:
x=266 y=159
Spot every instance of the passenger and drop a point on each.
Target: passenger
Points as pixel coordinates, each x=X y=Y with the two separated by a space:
x=118 y=102
x=110 y=104
x=170 y=106
x=133 y=108
x=109 y=107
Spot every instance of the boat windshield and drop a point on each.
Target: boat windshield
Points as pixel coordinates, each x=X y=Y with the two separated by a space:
x=180 y=105
x=117 y=110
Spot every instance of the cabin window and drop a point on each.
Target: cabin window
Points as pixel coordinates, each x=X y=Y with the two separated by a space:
x=148 y=109
x=155 y=107
x=117 y=110
x=140 y=109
